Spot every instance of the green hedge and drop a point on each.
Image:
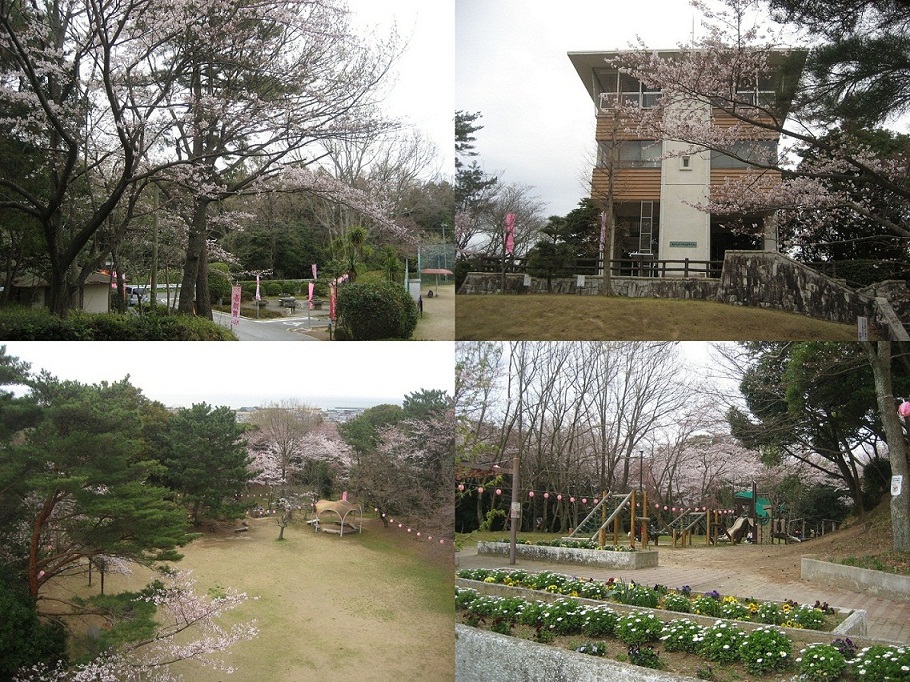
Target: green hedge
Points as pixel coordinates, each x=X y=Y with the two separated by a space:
x=374 y=311
x=30 y=324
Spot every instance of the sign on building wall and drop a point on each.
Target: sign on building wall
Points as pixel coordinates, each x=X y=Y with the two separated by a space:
x=684 y=245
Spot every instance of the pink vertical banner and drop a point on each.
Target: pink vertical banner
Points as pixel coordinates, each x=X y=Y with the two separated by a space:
x=332 y=302
x=510 y=232
x=603 y=242
x=314 y=272
x=258 y=297
x=310 y=297
x=235 y=306
x=344 y=496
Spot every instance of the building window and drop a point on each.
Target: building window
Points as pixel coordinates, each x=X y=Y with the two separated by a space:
x=685 y=162
x=760 y=152
x=613 y=85
x=629 y=154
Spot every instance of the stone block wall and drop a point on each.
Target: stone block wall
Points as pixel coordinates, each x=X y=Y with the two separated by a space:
x=752 y=278
x=771 y=280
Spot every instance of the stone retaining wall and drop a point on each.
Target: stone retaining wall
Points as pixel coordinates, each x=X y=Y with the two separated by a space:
x=491 y=657
x=753 y=278
x=583 y=557
x=879 y=583
x=771 y=280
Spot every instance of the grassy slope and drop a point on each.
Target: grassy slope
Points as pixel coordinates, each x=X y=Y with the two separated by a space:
x=368 y=606
x=562 y=317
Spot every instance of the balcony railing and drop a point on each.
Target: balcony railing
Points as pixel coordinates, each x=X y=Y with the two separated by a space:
x=645 y=100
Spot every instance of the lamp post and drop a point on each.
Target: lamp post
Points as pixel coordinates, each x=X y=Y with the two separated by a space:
x=641 y=467
x=514 y=511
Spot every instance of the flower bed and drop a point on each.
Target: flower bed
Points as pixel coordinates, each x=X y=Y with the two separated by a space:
x=609 y=558
x=680 y=644
x=710 y=605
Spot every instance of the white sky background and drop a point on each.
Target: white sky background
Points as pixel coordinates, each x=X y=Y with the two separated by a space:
x=247 y=375
x=422 y=95
x=538 y=119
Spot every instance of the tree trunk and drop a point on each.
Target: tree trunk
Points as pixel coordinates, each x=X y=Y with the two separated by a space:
x=195 y=250
x=880 y=360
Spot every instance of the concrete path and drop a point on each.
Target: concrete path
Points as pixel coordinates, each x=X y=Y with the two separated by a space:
x=886 y=620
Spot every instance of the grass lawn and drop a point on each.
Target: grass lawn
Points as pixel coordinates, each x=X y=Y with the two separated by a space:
x=552 y=317
x=370 y=606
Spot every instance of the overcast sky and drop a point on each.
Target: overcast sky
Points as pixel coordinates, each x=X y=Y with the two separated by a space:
x=511 y=66
x=423 y=94
x=247 y=375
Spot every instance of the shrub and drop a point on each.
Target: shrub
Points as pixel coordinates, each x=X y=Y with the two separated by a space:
x=806 y=616
x=463 y=597
x=25 y=324
x=682 y=634
x=707 y=605
x=674 y=601
x=821 y=663
x=635 y=595
x=731 y=607
x=721 y=643
x=562 y=617
x=639 y=628
x=766 y=650
x=374 y=311
x=593 y=649
x=880 y=662
x=598 y=621
x=219 y=283
x=24 y=639
x=272 y=288
x=646 y=657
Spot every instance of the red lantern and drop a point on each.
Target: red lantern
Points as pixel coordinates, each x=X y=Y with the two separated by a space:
x=904 y=409
x=480 y=489
x=399 y=525
x=584 y=500
x=499 y=491
x=559 y=498
x=665 y=507
x=674 y=510
x=461 y=487
x=595 y=500
x=572 y=500
x=546 y=496
x=531 y=494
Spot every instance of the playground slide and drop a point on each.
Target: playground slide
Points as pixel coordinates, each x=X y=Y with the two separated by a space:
x=739 y=529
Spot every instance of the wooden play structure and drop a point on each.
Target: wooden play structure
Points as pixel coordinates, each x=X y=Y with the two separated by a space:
x=339 y=511
x=608 y=513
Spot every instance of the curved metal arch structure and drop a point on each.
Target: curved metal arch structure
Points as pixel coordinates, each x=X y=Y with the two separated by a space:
x=343 y=509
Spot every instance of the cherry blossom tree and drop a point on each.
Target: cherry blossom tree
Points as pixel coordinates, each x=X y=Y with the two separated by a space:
x=186 y=627
x=728 y=73
x=265 y=84
x=207 y=98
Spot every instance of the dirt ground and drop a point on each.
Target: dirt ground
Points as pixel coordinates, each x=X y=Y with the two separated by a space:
x=868 y=538
x=438 y=320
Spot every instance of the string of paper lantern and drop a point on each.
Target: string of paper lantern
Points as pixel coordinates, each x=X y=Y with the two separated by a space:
x=572 y=499
x=419 y=535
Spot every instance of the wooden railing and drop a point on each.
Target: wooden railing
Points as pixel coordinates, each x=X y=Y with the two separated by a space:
x=622 y=267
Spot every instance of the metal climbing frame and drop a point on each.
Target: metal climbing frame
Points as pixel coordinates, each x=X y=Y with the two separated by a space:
x=590 y=527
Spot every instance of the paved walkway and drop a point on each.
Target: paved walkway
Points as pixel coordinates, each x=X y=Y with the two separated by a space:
x=886 y=620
